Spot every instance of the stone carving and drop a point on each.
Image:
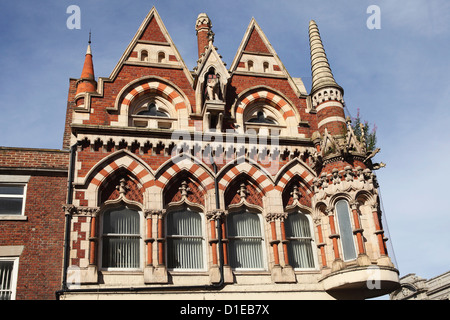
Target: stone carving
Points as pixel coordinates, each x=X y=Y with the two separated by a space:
x=184 y=189
x=122 y=187
x=344 y=181
x=212 y=87
x=215 y=214
x=242 y=192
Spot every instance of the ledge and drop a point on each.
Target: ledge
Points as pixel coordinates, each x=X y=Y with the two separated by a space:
x=361 y=282
x=13 y=218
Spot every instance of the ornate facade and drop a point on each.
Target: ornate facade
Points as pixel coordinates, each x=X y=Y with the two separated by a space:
x=216 y=182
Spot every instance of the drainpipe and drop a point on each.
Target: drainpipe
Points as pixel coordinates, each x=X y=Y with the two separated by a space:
x=68 y=217
x=221 y=283
x=65 y=289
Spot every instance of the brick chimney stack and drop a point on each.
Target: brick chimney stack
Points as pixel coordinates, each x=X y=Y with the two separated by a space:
x=203 y=30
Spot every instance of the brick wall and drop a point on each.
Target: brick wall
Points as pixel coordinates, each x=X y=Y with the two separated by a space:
x=42 y=233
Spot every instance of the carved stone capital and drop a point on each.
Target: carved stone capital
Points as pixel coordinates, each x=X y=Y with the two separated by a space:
x=215 y=214
x=276 y=216
x=81 y=211
x=69 y=209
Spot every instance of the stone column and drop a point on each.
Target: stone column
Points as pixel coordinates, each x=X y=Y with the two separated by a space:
x=285 y=273
x=362 y=259
x=384 y=258
x=156 y=274
x=337 y=264
x=321 y=244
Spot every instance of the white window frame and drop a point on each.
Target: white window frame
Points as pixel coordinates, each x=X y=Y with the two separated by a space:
x=141 y=246
x=263 y=242
x=312 y=239
x=20 y=216
x=204 y=247
x=15 y=271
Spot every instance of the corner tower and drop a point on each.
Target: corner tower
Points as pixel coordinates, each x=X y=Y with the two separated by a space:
x=326 y=94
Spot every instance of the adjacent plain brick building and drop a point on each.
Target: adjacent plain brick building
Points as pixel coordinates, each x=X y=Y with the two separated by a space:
x=212 y=183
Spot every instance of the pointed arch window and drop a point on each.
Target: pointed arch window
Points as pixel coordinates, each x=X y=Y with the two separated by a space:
x=301 y=242
x=345 y=230
x=121 y=238
x=185 y=241
x=245 y=240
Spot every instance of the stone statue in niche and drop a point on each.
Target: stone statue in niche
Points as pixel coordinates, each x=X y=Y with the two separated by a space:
x=212 y=87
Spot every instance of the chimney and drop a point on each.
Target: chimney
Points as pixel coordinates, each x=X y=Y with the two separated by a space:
x=203 y=30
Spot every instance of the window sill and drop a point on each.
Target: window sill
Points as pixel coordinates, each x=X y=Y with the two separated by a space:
x=13 y=218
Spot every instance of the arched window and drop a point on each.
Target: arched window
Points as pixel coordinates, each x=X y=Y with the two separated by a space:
x=245 y=240
x=250 y=65
x=300 y=246
x=260 y=117
x=121 y=238
x=144 y=55
x=266 y=67
x=345 y=230
x=161 y=57
x=151 y=109
x=185 y=240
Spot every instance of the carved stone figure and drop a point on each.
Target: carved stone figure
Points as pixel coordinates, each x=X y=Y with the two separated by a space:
x=212 y=88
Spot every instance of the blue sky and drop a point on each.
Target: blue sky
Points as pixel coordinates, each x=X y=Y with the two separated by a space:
x=398 y=76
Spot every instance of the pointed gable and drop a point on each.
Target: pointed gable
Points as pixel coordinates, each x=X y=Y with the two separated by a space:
x=152 y=32
x=256 y=57
x=152 y=46
x=255 y=43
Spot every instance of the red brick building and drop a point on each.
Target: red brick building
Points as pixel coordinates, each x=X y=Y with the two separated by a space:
x=212 y=183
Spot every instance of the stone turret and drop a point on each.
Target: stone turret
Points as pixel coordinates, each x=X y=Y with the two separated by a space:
x=326 y=94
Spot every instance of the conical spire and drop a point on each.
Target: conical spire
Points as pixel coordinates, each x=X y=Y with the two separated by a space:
x=87 y=82
x=320 y=68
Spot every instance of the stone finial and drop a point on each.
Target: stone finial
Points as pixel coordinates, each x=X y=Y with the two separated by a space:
x=184 y=189
x=295 y=193
x=122 y=187
x=242 y=192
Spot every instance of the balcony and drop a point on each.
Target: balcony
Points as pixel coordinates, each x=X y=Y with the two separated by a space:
x=361 y=282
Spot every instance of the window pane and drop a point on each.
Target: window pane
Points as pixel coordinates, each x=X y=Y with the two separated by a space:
x=244 y=231
x=121 y=252
x=186 y=223
x=11 y=206
x=246 y=253
x=184 y=240
x=244 y=224
x=297 y=225
x=6 y=269
x=185 y=253
x=121 y=240
x=345 y=228
x=300 y=249
x=121 y=221
x=300 y=253
x=16 y=190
